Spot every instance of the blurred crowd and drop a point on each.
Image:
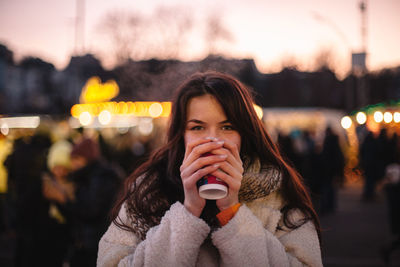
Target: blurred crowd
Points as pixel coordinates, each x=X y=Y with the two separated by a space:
x=380 y=162
x=60 y=193
x=323 y=166
x=60 y=190
x=320 y=163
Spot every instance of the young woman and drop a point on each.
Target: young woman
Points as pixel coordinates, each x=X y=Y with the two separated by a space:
x=266 y=219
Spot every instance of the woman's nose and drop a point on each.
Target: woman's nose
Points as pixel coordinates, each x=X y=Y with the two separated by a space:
x=213 y=133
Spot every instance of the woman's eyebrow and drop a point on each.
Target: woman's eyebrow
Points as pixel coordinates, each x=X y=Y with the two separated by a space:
x=202 y=122
x=196 y=121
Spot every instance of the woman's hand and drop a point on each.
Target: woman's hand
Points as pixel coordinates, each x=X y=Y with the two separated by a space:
x=231 y=172
x=194 y=167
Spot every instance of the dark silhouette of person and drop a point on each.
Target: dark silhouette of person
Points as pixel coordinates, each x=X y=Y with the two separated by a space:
x=385 y=152
x=286 y=146
x=96 y=187
x=25 y=166
x=368 y=162
x=392 y=193
x=333 y=167
x=312 y=168
x=56 y=184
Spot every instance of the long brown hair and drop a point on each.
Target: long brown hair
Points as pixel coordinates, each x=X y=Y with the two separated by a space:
x=160 y=184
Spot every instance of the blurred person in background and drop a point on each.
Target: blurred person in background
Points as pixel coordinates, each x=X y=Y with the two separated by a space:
x=333 y=170
x=57 y=188
x=28 y=208
x=96 y=186
x=391 y=186
x=368 y=162
x=312 y=168
x=5 y=150
x=266 y=218
x=286 y=146
x=386 y=152
x=124 y=151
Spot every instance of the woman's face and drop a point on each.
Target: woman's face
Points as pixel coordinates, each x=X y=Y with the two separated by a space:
x=206 y=118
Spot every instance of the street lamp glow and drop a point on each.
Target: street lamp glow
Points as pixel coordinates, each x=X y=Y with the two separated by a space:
x=361 y=117
x=4 y=129
x=155 y=110
x=105 y=117
x=346 y=122
x=388 y=117
x=21 y=122
x=396 y=117
x=259 y=111
x=145 y=126
x=378 y=116
x=85 y=118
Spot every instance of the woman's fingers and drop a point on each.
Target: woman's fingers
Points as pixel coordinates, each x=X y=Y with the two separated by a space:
x=201 y=163
x=234 y=182
x=233 y=149
x=190 y=146
x=193 y=202
x=224 y=163
x=231 y=159
x=228 y=173
x=191 y=181
x=197 y=149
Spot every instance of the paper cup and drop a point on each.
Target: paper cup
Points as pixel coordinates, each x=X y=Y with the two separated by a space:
x=210 y=187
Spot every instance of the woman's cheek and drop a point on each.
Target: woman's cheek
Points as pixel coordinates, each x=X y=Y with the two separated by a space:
x=189 y=138
x=237 y=140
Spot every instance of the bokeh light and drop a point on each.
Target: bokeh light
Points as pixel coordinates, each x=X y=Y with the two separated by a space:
x=346 y=122
x=387 y=117
x=259 y=111
x=105 y=117
x=396 y=117
x=361 y=117
x=145 y=126
x=85 y=118
x=4 y=129
x=378 y=116
x=155 y=110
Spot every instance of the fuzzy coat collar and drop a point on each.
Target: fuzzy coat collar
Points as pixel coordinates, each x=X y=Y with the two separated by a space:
x=259 y=181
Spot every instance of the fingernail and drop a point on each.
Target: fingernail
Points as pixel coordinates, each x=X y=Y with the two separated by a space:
x=216 y=165
x=220 y=142
x=211 y=138
x=223 y=156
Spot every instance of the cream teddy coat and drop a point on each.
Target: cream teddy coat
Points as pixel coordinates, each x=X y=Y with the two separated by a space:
x=251 y=238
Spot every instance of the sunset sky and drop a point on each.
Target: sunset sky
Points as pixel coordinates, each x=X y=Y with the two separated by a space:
x=270 y=31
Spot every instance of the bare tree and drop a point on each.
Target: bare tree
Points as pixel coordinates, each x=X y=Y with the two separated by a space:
x=215 y=33
x=289 y=62
x=324 y=59
x=124 y=32
x=160 y=35
x=171 y=26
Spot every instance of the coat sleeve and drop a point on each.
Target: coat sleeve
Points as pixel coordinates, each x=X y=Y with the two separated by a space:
x=175 y=241
x=245 y=242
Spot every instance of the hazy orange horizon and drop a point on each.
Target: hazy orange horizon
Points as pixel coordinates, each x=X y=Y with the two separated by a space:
x=273 y=33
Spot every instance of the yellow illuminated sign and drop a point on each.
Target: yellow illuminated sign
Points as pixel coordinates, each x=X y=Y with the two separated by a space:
x=138 y=109
x=95 y=91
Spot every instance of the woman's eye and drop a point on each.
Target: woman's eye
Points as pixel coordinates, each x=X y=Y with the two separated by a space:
x=196 y=128
x=227 y=127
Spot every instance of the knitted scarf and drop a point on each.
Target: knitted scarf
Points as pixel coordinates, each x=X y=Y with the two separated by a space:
x=258 y=181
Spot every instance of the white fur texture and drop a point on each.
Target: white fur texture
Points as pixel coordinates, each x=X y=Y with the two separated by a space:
x=251 y=238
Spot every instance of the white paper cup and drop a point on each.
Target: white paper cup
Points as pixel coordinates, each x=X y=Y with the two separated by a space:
x=210 y=187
